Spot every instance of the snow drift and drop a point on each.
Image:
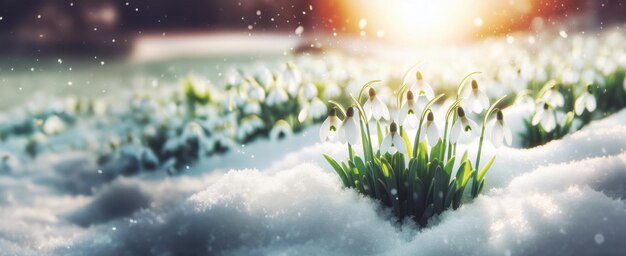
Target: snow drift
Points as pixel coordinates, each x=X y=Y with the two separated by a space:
x=562 y=198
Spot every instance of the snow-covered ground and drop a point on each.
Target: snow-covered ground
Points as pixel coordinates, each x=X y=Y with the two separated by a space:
x=566 y=197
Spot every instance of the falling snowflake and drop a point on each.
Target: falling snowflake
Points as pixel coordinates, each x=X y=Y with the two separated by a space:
x=299 y=30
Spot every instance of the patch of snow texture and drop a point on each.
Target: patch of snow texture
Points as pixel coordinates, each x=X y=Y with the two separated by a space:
x=562 y=198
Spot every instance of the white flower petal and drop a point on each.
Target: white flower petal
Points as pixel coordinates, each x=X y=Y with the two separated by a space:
x=579 y=105
x=376 y=109
x=385 y=145
x=303 y=113
x=455 y=131
x=508 y=137
x=547 y=121
x=497 y=135
x=324 y=129
x=367 y=107
x=352 y=134
x=384 y=109
x=433 y=134
x=590 y=103
x=403 y=112
x=411 y=121
x=398 y=143
x=537 y=117
x=484 y=100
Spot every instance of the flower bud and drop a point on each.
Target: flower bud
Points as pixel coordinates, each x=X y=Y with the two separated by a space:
x=430 y=117
x=460 y=112
x=474 y=85
x=350 y=112
x=372 y=92
x=393 y=127
x=333 y=112
x=418 y=76
x=499 y=115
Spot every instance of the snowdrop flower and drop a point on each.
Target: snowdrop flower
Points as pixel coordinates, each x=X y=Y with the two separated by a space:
x=275 y=96
x=349 y=130
x=309 y=91
x=420 y=87
x=331 y=90
x=475 y=99
x=248 y=126
x=393 y=140
x=281 y=129
x=464 y=130
x=315 y=109
x=329 y=128
x=586 y=100
x=500 y=132
x=252 y=107
x=264 y=76
x=408 y=113
x=553 y=97
x=430 y=130
x=545 y=116
x=256 y=92
x=292 y=77
x=53 y=125
x=375 y=107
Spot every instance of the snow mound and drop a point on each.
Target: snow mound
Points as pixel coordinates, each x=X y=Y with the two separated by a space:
x=566 y=197
x=573 y=208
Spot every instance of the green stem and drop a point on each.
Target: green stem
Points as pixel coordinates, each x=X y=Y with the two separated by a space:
x=419 y=128
x=462 y=83
x=490 y=111
x=444 y=142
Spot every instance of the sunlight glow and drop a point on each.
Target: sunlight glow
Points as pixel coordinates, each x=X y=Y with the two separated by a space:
x=419 y=22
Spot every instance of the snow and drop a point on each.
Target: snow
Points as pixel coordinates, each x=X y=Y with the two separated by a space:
x=565 y=197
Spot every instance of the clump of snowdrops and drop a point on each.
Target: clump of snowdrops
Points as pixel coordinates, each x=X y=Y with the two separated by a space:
x=420 y=177
x=561 y=109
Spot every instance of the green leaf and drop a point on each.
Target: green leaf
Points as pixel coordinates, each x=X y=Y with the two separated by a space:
x=449 y=195
x=379 y=132
x=338 y=169
x=407 y=143
x=485 y=168
x=463 y=174
x=449 y=166
x=435 y=151
x=348 y=171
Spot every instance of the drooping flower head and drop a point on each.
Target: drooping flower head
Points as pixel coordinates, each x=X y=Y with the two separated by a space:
x=314 y=109
x=553 y=97
x=309 y=91
x=349 y=130
x=330 y=126
x=374 y=107
x=393 y=140
x=276 y=95
x=500 y=132
x=545 y=115
x=464 y=130
x=430 y=130
x=585 y=101
x=408 y=113
x=420 y=87
x=475 y=100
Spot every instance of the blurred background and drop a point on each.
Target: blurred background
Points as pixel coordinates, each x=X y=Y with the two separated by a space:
x=93 y=47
